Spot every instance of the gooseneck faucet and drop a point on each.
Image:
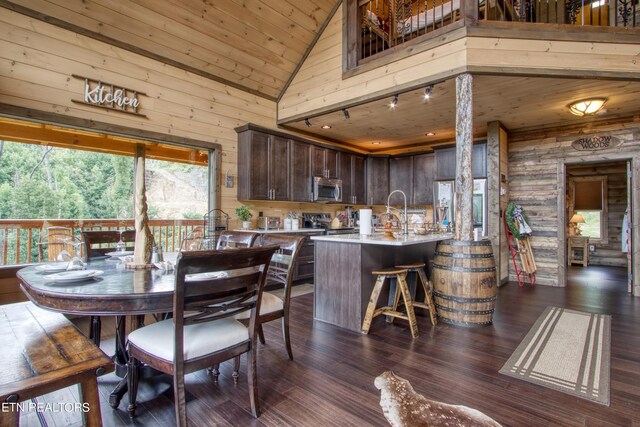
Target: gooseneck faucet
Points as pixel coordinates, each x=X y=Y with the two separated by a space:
x=405 y=222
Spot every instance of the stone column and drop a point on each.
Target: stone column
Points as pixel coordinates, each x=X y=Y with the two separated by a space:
x=464 y=152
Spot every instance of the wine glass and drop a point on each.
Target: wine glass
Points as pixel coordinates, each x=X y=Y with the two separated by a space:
x=122 y=215
x=77 y=259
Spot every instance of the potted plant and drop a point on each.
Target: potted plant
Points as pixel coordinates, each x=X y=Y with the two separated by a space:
x=244 y=214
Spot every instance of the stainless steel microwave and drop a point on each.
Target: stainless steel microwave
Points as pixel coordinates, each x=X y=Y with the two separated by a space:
x=327 y=190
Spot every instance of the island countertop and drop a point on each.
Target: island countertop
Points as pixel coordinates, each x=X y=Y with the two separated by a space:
x=378 y=239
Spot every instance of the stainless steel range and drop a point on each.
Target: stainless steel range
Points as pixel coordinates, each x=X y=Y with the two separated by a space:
x=323 y=221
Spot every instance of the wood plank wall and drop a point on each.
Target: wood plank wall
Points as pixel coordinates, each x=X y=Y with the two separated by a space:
x=608 y=253
x=536 y=160
x=320 y=85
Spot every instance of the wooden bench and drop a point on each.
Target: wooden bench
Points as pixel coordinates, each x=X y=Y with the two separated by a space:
x=43 y=352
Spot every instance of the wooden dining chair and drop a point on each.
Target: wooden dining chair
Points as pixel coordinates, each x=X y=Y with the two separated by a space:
x=96 y=240
x=210 y=288
x=236 y=239
x=281 y=271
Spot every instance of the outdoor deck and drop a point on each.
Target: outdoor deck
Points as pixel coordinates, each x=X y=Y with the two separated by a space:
x=331 y=380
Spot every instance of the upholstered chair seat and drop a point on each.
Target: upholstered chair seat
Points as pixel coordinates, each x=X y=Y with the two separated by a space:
x=199 y=339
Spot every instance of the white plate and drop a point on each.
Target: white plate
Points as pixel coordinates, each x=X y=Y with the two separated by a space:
x=73 y=276
x=53 y=268
x=119 y=253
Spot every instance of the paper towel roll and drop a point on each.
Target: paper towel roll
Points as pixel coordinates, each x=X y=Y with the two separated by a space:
x=365 y=221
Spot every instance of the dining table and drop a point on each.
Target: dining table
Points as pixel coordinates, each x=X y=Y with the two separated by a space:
x=115 y=291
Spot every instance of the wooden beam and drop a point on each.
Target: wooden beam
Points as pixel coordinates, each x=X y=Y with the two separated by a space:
x=464 y=153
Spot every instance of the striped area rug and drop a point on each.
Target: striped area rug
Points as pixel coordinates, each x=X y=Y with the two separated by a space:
x=566 y=350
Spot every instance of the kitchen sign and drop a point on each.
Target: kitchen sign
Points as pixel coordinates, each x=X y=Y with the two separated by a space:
x=596 y=142
x=109 y=96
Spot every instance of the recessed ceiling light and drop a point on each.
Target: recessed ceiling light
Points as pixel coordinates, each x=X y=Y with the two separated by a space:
x=430 y=133
x=376 y=143
x=325 y=127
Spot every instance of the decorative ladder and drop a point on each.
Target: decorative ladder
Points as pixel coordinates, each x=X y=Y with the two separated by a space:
x=522 y=248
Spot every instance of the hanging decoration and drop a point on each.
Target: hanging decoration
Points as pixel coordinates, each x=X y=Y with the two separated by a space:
x=516 y=220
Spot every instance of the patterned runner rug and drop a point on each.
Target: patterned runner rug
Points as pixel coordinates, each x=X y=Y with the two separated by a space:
x=566 y=350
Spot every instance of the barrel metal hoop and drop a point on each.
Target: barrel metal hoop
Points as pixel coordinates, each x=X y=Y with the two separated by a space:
x=456 y=255
x=461 y=323
x=457 y=311
x=465 y=269
x=462 y=299
x=466 y=242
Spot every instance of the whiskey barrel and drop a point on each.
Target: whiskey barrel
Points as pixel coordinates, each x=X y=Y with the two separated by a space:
x=465 y=285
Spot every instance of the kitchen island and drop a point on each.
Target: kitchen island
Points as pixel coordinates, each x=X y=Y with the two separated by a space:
x=343 y=264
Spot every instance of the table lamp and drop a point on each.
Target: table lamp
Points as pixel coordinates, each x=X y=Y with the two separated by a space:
x=574 y=221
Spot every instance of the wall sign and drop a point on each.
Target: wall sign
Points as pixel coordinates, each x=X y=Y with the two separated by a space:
x=596 y=142
x=109 y=96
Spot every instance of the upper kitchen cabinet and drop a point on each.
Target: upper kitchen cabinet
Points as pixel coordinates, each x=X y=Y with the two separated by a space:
x=324 y=162
x=377 y=181
x=264 y=174
x=353 y=178
x=301 y=189
x=446 y=162
x=424 y=168
x=401 y=178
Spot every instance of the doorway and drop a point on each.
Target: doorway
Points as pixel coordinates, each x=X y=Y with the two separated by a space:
x=598 y=204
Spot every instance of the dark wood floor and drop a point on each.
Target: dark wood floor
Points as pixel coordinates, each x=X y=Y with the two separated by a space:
x=331 y=380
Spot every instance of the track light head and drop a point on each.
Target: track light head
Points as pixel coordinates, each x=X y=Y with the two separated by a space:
x=307 y=122
x=346 y=114
x=394 y=102
x=428 y=91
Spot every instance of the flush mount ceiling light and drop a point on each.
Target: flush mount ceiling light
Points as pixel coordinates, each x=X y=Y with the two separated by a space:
x=326 y=126
x=394 y=102
x=346 y=114
x=307 y=122
x=427 y=92
x=587 y=107
x=376 y=143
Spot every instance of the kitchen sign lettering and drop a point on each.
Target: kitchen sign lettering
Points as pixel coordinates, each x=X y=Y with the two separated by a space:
x=596 y=142
x=109 y=96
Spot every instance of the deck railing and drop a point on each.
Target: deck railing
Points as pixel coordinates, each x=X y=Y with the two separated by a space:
x=385 y=24
x=19 y=238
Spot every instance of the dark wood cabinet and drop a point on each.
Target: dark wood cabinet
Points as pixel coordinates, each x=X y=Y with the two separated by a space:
x=377 y=182
x=401 y=178
x=446 y=162
x=423 y=176
x=305 y=260
x=324 y=162
x=266 y=176
x=301 y=190
x=351 y=167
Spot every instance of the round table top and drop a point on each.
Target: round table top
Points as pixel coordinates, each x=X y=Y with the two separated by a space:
x=118 y=291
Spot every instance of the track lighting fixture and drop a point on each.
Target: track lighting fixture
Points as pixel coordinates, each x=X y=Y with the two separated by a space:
x=346 y=114
x=307 y=122
x=394 y=101
x=427 y=92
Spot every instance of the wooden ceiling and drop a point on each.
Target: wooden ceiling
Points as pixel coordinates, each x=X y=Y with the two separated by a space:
x=254 y=45
x=520 y=103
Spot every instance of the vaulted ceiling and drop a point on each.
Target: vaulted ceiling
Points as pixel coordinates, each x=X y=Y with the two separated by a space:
x=254 y=45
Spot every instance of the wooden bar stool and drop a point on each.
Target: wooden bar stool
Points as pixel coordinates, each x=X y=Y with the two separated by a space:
x=400 y=275
x=427 y=304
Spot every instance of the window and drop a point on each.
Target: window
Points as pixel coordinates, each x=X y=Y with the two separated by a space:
x=80 y=180
x=589 y=198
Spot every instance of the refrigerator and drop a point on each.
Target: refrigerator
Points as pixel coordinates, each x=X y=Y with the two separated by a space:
x=443 y=195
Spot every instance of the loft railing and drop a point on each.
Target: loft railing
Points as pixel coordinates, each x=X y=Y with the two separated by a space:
x=389 y=23
x=19 y=238
x=386 y=24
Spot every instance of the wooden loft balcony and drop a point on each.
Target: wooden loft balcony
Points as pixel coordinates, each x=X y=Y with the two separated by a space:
x=380 y=27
